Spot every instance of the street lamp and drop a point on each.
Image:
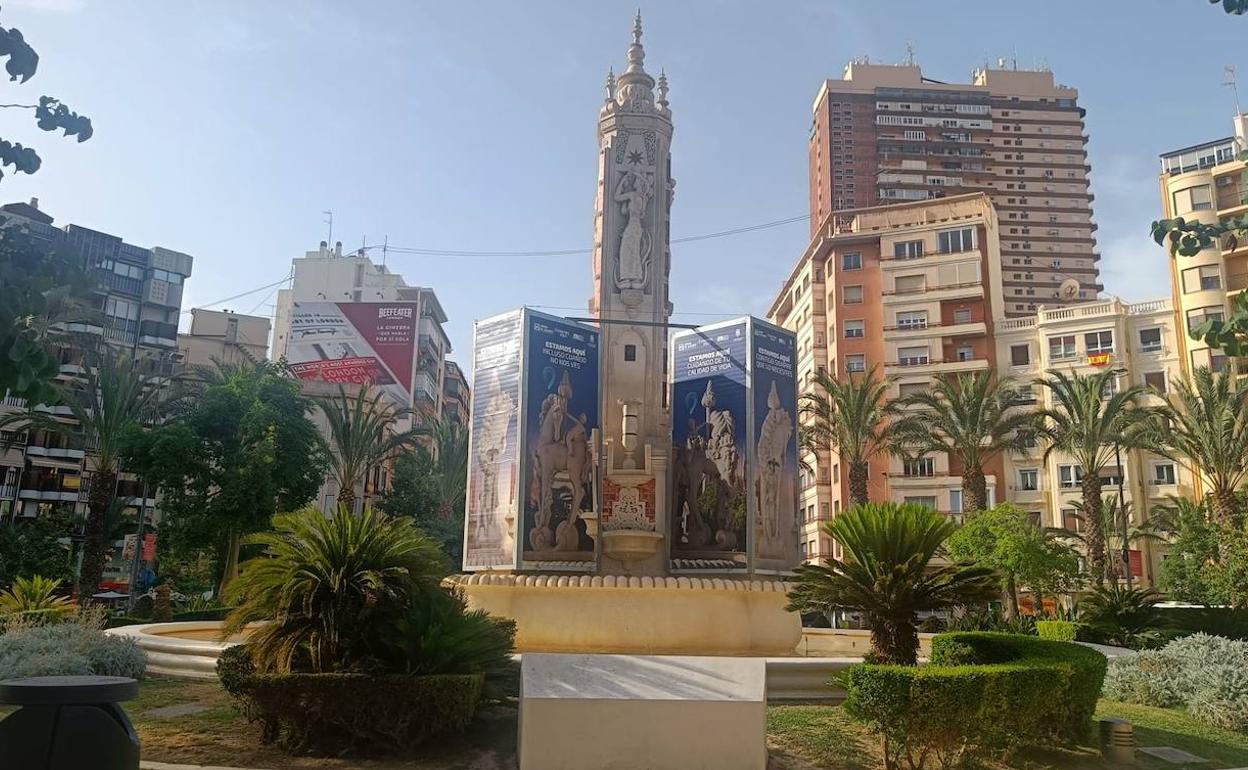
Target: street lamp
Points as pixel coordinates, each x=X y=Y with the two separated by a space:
x=1122 y=506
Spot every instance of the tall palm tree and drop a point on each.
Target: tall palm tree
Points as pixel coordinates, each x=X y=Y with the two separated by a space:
x=852 y=417
x=1155 y=529
x=888 y=575
x=1206 y=430
x=1087 y=422
x=115 y=396
x=448 y=450
x=363 y=435
x=970 y=417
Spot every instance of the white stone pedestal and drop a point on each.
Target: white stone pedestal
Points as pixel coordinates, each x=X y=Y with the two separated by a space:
x=642 y=712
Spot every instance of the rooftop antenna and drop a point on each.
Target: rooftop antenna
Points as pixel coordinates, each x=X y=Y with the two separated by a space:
x=329 y=219
x=1229 y=81
x=909 y=54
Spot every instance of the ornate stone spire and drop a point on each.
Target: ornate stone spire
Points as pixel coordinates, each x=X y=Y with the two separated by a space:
x=635 y=93
x=662 y=102
x=609 y=103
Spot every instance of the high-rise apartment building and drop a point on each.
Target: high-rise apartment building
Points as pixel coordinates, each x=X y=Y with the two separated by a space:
x=886 y=134
x=455 y=395
x=908 y=291
x=1207 y=183
x=138 y=293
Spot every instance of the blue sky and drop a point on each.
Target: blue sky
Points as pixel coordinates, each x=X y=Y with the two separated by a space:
x=224 y=129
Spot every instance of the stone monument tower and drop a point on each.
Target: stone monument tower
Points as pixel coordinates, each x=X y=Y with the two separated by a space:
x=632 y=262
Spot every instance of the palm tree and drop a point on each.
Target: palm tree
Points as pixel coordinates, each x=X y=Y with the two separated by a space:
x=327 y=589
x=852 y=417
x=888 y=575
x=362 y=436
x=970 y=417
x=1088 y=422
x=448 y=452
x=1156 y=529
x=1207 y=431
x=115 y=396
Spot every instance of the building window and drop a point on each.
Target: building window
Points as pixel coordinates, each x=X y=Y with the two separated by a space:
x=1028 y=479
x=1197 y=198
x=1061 y=347
x=912 y=356
x=856 y=363
x=120 y=308
x=854 y=329
x=962 y=316
x=1203 y=278
x=166 y=276
x=1156 y=381
x=1200 y=315
x=1164 y=475
x=955 y=501
x=851 y=261
x=1020 y=355
x=630 y=352
x=1099 y=342
x=923 y=466
x=927 y=501
x=965 y=353
x=1071 y=520
x=954 y=241
x=909 y=284
x=1150 y=340
x=1069 y=476
x=908 y=249
x=851 y=295
x=912 y=319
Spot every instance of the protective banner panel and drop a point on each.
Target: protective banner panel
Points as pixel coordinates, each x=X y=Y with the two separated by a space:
x=710 y=423
x=773 y=393
x=358 y=343
x=560 y=417
x=494 y=445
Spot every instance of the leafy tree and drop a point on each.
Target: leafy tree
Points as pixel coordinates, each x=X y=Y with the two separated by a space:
x=1207 y=558
x=852 y=417
x=1207 y=430
x=50 y=113
x=889 y=576
x=1004 y=539
x=1236 y=7
x=41 y=284
x=238 y=447
x=1087 y=422
x=32 y=547
x=363 y=435
x=415 y=492
x=448 y=450
x=969 y=417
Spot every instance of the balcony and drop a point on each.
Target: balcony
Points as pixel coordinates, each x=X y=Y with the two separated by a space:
x=158 y=333
x=930 y=366
x=932 y=330
x=121 y=330
x=949 y=291
x=54 y=452
x=48 y=489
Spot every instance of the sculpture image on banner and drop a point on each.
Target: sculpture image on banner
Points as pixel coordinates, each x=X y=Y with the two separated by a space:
x=360 y=343
x=494 y=444
x=709 y=429
x=560 y=417
x=773 y=386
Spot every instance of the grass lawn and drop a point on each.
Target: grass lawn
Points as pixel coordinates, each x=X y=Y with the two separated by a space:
x=824 y=738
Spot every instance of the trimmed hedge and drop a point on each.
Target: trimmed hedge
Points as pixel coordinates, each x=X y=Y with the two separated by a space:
x=1215 y=621
x=337 y=714
x=984 y=694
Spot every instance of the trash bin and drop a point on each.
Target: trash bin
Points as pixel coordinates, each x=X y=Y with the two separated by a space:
x=68 y=723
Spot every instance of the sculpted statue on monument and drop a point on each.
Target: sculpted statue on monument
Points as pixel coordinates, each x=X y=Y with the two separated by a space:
x=633 y=193
x=561 y=449
x=773 y=443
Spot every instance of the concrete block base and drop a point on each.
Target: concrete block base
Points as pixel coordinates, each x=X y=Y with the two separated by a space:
x=654 y=712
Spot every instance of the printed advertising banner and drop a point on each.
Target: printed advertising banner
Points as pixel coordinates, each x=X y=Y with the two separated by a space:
x=559 y=417
x=359 y=343
x=494 y=445
x=710 y=423
x=773 y=500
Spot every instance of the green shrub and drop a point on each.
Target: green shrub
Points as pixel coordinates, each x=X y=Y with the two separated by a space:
x=1216 y=621
x=211 y=613
x=984 y=694
x=335 y=714
x=71 y=648
x=994 y=620
x=1057 y=630
x=1126 y=617
x=36 y=596
x=1207 y=675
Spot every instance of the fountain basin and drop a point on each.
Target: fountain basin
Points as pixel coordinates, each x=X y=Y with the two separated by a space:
x=185 y=650
x=639 y=615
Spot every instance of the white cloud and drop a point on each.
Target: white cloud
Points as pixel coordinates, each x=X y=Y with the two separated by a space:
x=48 y=6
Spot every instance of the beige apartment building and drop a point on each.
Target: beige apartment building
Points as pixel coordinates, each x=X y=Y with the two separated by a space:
x=887 y=134
x=1207 y=183
x=1139 y=341
x=914 y=290
x=221 y=335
